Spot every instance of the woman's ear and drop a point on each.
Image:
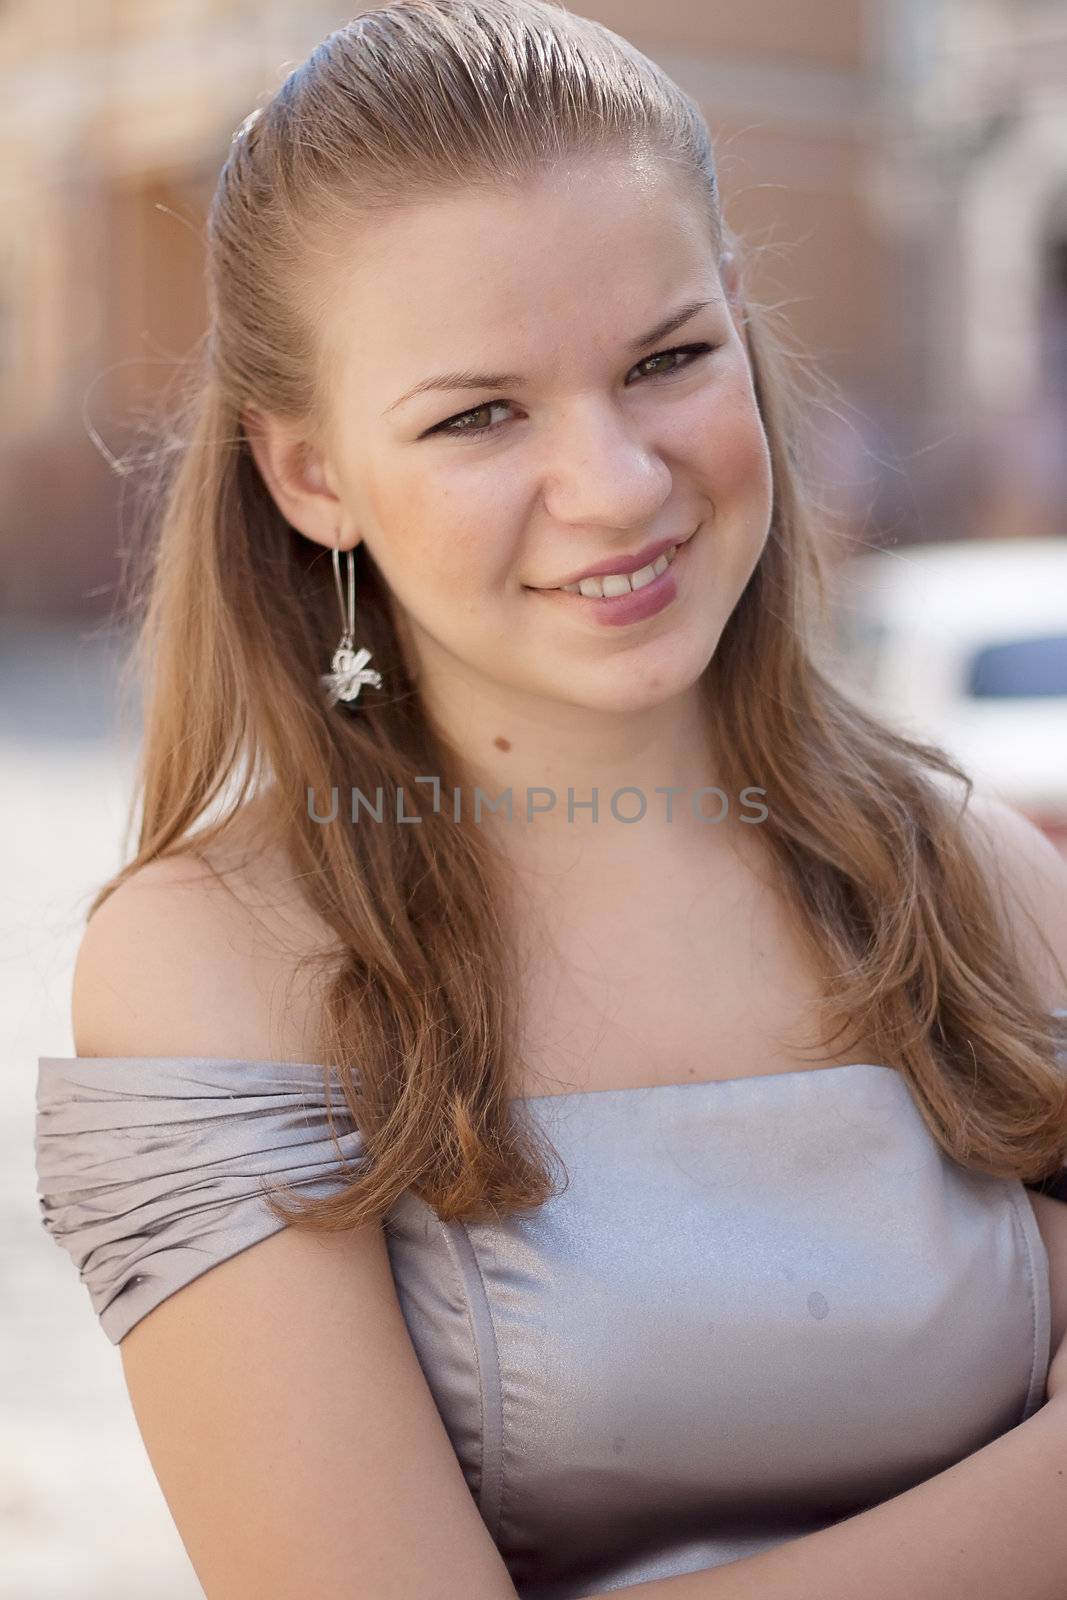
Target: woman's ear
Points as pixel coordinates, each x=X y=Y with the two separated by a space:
x=294 y=475
x=730 y=278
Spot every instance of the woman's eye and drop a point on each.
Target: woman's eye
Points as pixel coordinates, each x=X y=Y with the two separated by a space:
x=452 y=425
x=691 y=351
x=461 y=424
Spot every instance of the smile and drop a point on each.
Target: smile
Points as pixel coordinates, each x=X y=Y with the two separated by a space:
x=621 y=598
x=616 y=583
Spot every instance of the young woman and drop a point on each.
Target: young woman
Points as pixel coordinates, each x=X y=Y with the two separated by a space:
x=637 y=1179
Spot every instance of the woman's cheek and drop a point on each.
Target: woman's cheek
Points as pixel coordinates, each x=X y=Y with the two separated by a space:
x=736 y=445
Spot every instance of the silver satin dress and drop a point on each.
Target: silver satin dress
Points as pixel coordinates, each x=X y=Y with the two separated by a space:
x=758 y=1305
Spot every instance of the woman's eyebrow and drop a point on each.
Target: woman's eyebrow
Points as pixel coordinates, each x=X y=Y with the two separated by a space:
x=500 y=380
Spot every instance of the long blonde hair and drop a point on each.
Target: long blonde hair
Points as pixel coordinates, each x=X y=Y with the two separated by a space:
x=238 y=619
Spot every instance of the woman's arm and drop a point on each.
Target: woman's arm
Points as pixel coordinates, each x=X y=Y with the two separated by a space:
x=992 y=1527
x=281 y=1403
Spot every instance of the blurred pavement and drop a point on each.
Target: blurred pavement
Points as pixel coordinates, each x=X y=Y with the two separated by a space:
x=81 y=1514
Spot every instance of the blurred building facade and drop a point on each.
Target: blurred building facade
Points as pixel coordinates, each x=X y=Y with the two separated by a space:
x=899 y=166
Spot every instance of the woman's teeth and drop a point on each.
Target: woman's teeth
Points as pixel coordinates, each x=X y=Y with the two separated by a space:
x=615 y=583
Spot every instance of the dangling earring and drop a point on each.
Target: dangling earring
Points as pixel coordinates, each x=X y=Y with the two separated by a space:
x=349 y=670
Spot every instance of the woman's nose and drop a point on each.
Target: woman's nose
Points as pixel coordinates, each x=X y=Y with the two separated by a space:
x=605 y=471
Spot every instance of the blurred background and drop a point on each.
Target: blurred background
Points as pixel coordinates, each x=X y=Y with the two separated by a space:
x=898 y=170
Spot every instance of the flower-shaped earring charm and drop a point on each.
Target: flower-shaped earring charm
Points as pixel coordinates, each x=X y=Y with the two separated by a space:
x=349 y=670
x=349 y=673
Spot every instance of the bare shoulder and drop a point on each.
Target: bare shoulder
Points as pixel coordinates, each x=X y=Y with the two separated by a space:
x=233 y=1378
x=1029 y=879
x=199 y=953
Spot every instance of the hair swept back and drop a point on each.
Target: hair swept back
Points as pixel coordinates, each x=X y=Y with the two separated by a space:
x=239 y=618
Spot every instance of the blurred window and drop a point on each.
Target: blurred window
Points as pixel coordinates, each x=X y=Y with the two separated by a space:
x=860 y=639
x=1020 y=667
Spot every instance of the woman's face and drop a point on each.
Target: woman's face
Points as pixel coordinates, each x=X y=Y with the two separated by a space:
x=511 y=408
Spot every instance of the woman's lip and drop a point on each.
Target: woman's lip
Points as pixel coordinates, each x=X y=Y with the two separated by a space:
x=623 y=567
x=622 y=571
x=634 y=606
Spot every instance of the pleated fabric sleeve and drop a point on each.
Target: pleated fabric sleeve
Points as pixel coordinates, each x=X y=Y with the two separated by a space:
x=150 y=1170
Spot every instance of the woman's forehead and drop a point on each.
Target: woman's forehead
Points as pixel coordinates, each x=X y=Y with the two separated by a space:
x=486 y=274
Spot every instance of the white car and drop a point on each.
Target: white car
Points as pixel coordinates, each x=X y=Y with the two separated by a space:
x=965 y=644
